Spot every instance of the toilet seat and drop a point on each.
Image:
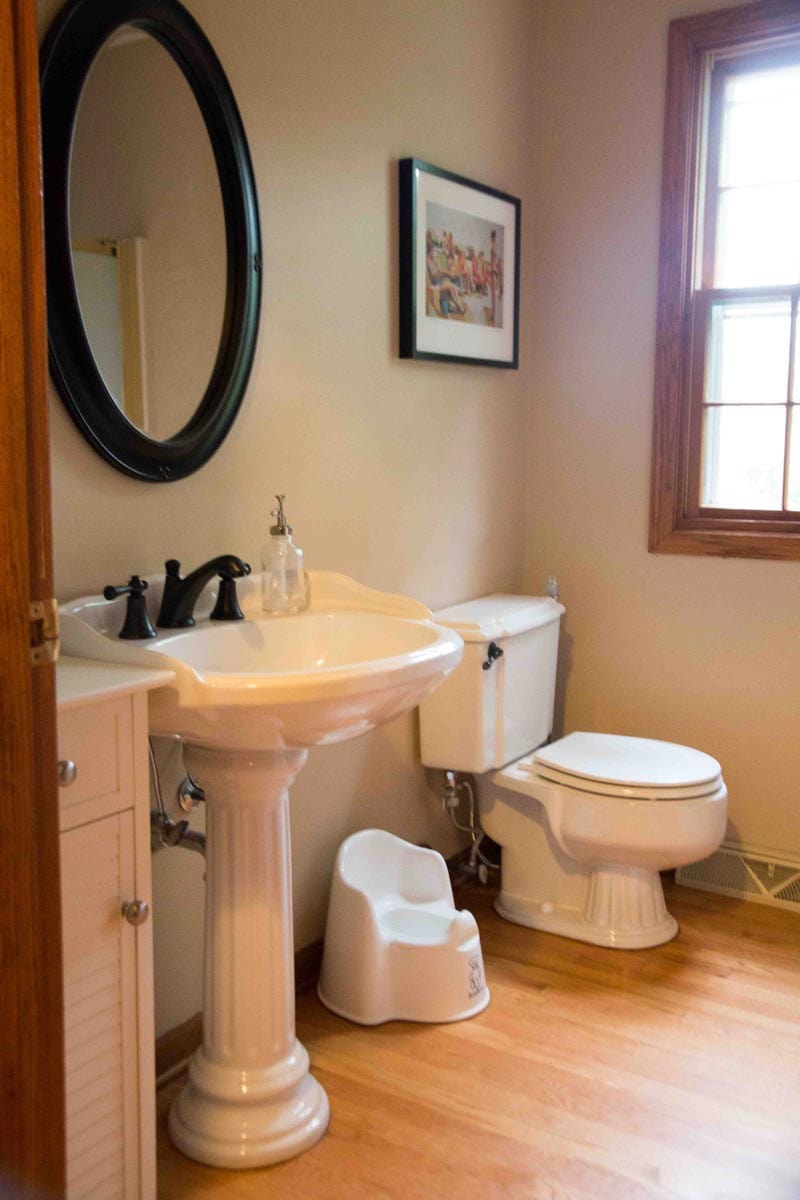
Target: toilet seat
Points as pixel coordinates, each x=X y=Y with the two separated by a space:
x=625 y=767
x=620 y=792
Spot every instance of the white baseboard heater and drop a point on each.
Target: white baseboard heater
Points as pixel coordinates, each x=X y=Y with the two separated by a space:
x=748 y=875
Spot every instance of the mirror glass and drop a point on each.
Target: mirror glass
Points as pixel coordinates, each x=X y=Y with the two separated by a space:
x=147 y=231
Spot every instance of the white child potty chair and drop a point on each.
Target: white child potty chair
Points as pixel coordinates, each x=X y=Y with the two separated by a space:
x=586 y=822
x=396 y=947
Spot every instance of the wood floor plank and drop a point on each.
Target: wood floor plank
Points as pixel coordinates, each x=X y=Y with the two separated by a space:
x=666 y=1074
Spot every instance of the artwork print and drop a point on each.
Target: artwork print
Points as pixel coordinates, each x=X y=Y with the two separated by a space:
x=464 y=267
x=458 y=268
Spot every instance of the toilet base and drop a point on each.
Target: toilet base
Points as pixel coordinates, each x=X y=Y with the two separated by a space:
x=624 y=910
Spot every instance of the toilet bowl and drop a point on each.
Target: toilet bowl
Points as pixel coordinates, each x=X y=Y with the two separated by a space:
x=587 y=822
x=582 y=848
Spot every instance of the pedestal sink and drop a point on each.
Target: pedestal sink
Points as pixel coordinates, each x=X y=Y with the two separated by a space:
x=248 y=700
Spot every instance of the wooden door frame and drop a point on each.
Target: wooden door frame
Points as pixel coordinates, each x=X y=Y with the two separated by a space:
x=31 y=984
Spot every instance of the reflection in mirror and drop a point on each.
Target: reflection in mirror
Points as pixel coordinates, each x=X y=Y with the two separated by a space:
x=147 y=232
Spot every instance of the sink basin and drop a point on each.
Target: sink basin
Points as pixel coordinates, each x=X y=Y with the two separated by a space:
x=355 y=659
x=249 y=698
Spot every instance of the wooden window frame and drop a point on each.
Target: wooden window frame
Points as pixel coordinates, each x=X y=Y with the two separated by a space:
x=678 y=524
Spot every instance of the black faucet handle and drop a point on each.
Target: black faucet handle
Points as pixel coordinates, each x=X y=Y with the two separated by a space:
x=137 y=619
x=227 y=606
x=134 y=587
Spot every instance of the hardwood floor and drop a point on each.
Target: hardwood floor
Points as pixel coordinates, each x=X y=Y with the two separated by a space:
x=666 y=1074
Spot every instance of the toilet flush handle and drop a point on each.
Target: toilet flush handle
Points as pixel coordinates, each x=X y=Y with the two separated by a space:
x=492 y=654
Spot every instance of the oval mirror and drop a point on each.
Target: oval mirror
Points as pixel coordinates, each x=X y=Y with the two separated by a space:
x=152 y=238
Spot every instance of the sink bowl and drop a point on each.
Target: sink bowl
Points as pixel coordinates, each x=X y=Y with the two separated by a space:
x=248 y=699
x=355 y=659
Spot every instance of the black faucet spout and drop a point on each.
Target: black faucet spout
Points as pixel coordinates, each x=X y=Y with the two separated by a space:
x=181 y=594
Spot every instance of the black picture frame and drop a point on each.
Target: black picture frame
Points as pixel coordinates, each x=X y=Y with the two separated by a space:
x=77 y=34
x=457 y=309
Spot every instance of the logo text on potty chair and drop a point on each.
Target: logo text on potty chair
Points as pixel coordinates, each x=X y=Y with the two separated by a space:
x=476 y=979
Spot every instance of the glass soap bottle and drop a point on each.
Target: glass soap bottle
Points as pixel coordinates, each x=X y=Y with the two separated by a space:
x=284 y=588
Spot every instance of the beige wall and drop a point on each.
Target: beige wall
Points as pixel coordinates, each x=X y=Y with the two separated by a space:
x=407 y=476
x=705 y=651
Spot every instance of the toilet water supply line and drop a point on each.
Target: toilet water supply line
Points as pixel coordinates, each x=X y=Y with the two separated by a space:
x=169 y=832
x=479 y=864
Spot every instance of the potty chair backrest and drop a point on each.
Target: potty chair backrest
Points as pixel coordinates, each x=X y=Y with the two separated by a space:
x=379 y=864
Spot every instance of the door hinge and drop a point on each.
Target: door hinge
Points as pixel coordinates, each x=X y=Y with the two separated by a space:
x=44 y=631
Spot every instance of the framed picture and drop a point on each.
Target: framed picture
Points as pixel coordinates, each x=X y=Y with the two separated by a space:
x=459 y=268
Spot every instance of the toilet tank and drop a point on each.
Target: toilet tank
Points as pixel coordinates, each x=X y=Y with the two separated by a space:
x=481 y=717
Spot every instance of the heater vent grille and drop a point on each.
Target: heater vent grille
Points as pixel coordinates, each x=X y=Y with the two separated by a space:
x=790 y=893
x=748 y=876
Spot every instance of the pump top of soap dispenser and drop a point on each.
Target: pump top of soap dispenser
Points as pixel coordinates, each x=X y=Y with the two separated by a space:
x=280 y=528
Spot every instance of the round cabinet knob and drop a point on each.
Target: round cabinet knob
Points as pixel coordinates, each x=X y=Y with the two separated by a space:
x=67 y=772
x=136 y=912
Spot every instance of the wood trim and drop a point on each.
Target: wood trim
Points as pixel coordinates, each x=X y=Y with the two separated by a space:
x=727 y=29
x=694 y=42
x=176 y=1045
x=710 y=186
x=676 y=257
x=31 y=1000
x=132 y=327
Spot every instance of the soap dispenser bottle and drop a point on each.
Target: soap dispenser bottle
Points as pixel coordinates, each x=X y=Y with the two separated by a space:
x=284 y=588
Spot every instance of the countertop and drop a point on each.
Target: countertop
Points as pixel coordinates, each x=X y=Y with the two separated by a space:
x=83 y=681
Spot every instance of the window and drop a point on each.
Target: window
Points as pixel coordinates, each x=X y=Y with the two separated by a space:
x=726 y=451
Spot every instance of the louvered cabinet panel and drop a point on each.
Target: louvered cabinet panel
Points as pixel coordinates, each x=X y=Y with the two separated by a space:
x=100 y=1010
x=108 y=962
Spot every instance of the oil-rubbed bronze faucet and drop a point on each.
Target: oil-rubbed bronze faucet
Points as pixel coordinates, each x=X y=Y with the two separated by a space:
x=181 y=595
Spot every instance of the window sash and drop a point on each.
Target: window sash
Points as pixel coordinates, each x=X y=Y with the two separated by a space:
x=702 y=305
x=765 y=33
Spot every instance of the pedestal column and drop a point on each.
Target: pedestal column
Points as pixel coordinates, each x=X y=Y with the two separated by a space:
x=249 y=1099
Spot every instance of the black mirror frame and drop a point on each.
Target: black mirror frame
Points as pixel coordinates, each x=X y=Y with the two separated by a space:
x=69 y=50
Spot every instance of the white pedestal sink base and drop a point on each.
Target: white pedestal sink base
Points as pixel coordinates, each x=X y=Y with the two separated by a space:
x=213 y=1122
x=249 y=1100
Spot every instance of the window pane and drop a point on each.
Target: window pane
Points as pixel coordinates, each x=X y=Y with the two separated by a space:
x=772 y=84
x=748 y=353
x=743 y=457
x=758 y=236
x=793 y=499
x=761 y=119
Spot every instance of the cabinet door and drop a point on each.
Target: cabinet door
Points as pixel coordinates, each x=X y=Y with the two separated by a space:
x=100 y=1010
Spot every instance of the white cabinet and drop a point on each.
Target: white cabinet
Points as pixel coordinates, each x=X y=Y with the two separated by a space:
x=108 y=959
x=104 y=1091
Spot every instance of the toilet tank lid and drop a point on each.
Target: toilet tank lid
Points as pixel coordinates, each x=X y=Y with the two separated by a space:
x=499 y=616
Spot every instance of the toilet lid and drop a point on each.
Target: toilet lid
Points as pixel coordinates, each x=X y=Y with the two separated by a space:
x=628 y=766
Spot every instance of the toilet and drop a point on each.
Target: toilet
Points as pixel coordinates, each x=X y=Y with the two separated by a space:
x=585 y=822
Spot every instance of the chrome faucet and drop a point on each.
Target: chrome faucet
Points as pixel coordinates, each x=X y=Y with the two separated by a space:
x=181 y=595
